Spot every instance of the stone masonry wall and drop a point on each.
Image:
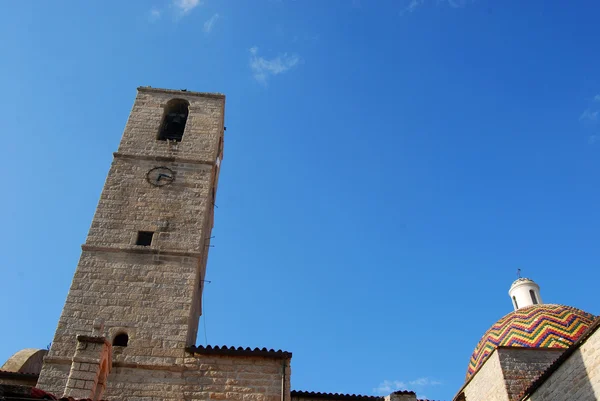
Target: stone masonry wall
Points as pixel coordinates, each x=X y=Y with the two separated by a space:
x=203 y=378
x=577 y=378
x=237 y=378
x=521 y=365
x=176 y=212
x=487 y=384
x=151 y=293
x=148 y=296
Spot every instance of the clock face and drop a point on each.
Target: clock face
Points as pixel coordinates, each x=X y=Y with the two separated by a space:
x=160 y=176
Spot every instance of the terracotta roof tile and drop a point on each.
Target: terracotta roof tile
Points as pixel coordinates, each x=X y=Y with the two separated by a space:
x=325 y=396
x=239 y=351
x=348 y=397
x=10 y=392
x=7 y=373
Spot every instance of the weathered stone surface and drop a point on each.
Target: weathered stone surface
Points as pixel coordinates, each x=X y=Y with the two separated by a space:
x=488 y=383
x=151 y=293
x=521 y=365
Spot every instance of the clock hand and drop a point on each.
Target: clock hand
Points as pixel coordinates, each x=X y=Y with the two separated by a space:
x=162 y=175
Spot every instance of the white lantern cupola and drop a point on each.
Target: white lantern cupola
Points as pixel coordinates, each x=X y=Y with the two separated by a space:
x=524 y=292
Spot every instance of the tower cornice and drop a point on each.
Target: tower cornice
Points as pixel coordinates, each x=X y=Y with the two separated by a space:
x=183 y=92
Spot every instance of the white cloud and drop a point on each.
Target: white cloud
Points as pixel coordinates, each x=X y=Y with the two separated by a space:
x=154 y=15
x=424 y=381
x=262 y=68
x=210 y=23
x=457 y=3
x=597 y=98
x=185 y=6
x=589 y=115
x=389 y=386
x=592 y=139
x=413 y=5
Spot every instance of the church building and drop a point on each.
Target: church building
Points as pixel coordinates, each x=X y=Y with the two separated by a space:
x=129 y=324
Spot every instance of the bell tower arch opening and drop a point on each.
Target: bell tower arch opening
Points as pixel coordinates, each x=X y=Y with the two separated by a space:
x=174 y=120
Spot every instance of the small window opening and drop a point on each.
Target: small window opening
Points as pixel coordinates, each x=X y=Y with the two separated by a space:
x=121 y=340
x=515 y=301
x=533 y=297
x=176 y=114
x=144 y=238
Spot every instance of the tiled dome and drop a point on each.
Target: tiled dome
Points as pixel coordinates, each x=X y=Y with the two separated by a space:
x=547 y=325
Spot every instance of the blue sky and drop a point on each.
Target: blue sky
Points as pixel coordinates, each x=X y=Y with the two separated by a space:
x=388 y=166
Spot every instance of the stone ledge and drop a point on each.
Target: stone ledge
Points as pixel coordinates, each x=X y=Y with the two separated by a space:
x=92 y=339
x=169 y=159
x=142 y=366
x=115 y=364
x=58 y=360
x=140 y=249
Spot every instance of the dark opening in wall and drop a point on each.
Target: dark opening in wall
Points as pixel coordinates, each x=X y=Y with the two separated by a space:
x=175 y=117
x=121 y=340
x=144 y=238
x=533 y=298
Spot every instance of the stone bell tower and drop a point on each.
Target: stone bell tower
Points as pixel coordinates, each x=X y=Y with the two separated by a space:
x=138 y=285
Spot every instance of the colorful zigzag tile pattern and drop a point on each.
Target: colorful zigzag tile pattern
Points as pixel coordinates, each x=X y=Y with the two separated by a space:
x=544 y=325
